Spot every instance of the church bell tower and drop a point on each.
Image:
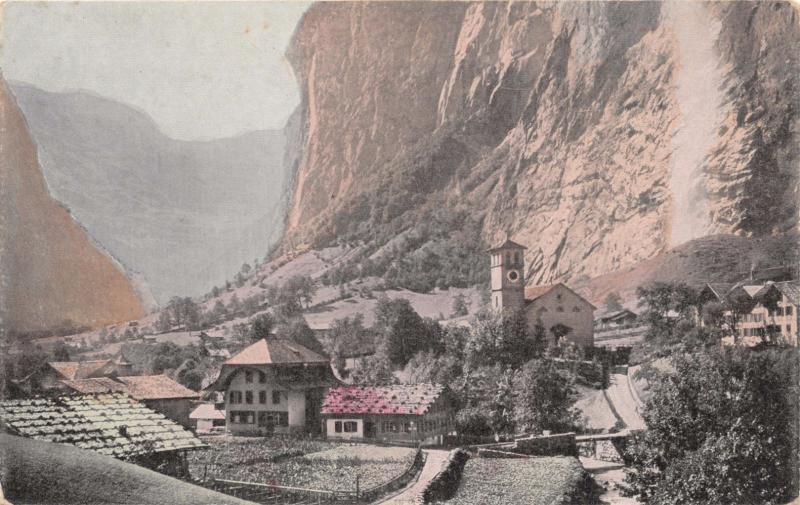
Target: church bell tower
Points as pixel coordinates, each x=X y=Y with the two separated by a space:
x=508 y=275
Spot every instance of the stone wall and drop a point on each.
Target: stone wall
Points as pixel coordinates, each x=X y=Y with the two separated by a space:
x=562 y=444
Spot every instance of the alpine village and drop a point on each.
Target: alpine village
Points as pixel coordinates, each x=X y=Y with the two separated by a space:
x=500 y=253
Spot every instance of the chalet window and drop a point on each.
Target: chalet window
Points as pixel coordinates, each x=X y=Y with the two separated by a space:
x=337 y=426
x=262 y=378
x=273 y=419
x=350 y=426
x=235 y=397
x=262 y=397
x=789 y=310
x=248 y=376
x=780 y=311
x=248 y=397
x=407 y=427
x=276 y=397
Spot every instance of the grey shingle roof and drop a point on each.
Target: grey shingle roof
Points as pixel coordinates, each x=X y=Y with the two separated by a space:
x=111 y=423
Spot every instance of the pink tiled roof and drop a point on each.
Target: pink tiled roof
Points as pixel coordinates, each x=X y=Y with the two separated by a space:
x=412 y=399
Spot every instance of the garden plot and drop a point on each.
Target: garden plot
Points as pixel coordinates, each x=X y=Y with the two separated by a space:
x=535 y=481
x=300 y=463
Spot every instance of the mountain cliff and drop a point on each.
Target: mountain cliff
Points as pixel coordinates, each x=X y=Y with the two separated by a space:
x=599 y=134
x=51 y=274
x=182 y=215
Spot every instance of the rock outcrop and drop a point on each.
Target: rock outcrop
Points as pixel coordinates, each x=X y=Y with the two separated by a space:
x=569 y=125
x=52 y=277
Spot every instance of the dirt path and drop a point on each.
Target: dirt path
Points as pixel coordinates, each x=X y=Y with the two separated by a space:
x=411 y=495
x=620 y=396
x=608 y=475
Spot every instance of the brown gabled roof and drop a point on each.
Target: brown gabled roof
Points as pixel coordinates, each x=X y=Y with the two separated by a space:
x=790 y=289
x=533 y=293
x=408 y=399
x=155 y=387
x=112 y=424
x=71 y=370
x=95 y=385
x=275 y=351
x=207 y=411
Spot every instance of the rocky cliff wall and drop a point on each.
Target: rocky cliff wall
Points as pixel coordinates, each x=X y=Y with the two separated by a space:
x=599 y=134
x=51 y=275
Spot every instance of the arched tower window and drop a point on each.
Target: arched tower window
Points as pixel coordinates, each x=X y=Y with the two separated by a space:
x=508 y=257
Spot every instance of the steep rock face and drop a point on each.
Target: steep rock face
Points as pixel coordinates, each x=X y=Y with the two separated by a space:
x=185 y=215
x=567 y=125
x=52 y=275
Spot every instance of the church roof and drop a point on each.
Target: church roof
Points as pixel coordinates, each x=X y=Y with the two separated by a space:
x=506 y=244
x=275 y=352
x=533 y=293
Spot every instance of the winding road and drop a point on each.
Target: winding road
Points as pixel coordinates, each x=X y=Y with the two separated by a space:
x=622 y=400
x=412 y=494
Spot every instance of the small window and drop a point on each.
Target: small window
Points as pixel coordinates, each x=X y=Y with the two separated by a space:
x=337 y=426
x=350 y=426
x=262 y=397
x=407 y=427
x=516 y=257
x=262 y=378
x=248 y=376
x=508 y=258
x=780 y=311
x=789 y=310
x=559 y=309
x=576 y=309
x=788 y=328
x=276 y=397
x=248 y=397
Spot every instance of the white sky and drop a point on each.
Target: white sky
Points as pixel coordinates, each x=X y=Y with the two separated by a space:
x=201 y=70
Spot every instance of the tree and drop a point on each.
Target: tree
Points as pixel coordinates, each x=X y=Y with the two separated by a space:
x=403 y=330
x=544 y=399
x=297 y=330
x=261 y=327
x=164 y=323
x=460 y=307
x=373 y=370
x=500 y=338
x=719 y=430
x=61 y=352
x=299 y=289
x=613 y=302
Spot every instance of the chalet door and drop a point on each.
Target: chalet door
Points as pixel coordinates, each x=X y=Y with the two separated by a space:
x=369 y=429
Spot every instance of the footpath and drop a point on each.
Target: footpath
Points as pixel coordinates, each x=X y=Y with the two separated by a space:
x=412 y=494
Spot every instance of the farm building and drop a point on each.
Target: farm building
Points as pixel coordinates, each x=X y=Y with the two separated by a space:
x=157 y=392
x=50 y=378
x=206 y=417
x=615 y=320
x=274 y=385
x=113 y=424
x=419 y=413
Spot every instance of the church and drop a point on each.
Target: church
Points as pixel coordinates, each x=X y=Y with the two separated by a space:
x=550 y=305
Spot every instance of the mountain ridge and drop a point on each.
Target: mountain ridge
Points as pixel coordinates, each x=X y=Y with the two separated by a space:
x=183 y=214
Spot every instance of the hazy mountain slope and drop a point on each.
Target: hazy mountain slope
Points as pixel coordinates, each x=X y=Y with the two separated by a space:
x=599 y=134
x=184 y=214
x=52 y=275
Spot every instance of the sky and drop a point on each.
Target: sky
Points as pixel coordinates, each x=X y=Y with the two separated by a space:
x=201 y=70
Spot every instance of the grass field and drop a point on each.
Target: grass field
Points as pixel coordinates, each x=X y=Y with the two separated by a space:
x=293 y=462
x=537 y=481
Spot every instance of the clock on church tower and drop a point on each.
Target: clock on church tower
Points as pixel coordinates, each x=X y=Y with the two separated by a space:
x=508 y=275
